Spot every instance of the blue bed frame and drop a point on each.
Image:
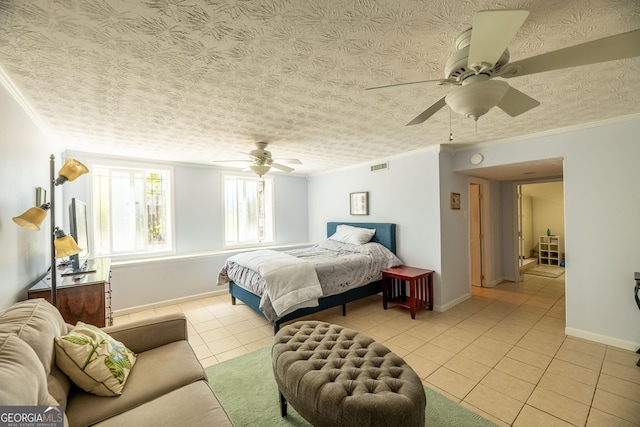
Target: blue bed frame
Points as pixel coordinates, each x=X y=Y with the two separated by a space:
x=385 y=235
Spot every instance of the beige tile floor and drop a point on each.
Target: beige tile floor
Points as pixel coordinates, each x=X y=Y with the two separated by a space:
x=503 y=353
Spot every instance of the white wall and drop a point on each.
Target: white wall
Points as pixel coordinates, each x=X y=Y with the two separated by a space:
x=508 y=249
x=200 y=255
x=408 y=194
x=603 y=234
x=24 y=158
x=455 y=235
x=601 y=226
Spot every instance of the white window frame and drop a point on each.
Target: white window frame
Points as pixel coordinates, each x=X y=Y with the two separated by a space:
x=133 y=167
x=269 y=213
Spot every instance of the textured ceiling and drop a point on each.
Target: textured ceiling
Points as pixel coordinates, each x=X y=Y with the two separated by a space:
x=202 y=80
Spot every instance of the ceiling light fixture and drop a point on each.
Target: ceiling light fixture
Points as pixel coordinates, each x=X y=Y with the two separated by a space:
x=260 y=169
x=476 y=98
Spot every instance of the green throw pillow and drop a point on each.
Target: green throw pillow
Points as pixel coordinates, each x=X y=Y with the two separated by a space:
x=93 y=360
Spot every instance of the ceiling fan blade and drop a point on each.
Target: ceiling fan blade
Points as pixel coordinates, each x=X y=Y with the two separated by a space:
x=428 y=112
x=491 y=33
x=515 y=102
x=289 y=161
x=282 y=167
x=620 y=46
x=232 y=161
x=406 y=85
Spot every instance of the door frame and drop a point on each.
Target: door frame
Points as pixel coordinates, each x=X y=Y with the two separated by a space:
x=485 y=227
x=516 y=256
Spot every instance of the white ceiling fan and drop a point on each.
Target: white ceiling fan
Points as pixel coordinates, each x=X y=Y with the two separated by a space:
x=481 y=55
x=262 y=162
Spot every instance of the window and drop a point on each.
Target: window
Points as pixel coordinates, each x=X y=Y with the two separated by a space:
x=248 y=210
x=132 y=211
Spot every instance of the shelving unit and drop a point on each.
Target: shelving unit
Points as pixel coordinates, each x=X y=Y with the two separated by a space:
x=549 y=250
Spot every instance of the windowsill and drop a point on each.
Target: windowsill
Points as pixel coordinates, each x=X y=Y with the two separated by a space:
x=195 y=255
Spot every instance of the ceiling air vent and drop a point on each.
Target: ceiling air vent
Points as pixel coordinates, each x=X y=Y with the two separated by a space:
x=380 y=167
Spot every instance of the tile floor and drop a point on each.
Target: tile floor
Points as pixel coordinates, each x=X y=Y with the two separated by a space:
x=502 y=353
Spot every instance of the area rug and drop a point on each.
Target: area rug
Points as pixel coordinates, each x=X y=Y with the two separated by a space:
x=248 y=393
x=545 y=271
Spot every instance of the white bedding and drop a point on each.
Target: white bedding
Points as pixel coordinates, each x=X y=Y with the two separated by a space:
x=339 y=267
x=290 y=282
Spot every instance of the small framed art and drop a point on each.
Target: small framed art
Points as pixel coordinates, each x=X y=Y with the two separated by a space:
x=455 y=201
x=359 y=203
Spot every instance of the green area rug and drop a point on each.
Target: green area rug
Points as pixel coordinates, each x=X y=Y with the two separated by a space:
x=247 y=391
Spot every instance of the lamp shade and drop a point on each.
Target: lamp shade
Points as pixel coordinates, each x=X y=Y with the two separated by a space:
x=70 y=171
x=64 y=244
x=476 y=99
x=260 y=170
x=32 y=218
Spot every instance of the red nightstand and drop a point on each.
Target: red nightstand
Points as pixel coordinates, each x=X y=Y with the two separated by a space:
x=394 y=288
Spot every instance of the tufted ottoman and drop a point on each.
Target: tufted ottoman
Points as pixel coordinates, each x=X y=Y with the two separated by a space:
x=334 y=376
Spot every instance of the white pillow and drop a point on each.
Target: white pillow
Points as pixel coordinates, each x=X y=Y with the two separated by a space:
x=352 y=235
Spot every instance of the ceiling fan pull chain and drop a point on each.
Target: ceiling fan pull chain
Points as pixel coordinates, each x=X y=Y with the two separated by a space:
x=450 y=132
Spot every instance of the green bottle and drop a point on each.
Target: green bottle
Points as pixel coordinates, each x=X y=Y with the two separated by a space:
x=548 y=232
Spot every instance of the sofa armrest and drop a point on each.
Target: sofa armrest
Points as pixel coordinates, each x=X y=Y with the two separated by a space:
x=146 y=334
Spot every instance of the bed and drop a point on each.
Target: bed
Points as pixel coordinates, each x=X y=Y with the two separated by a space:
x=385 y=235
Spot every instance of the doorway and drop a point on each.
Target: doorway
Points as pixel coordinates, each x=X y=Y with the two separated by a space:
x=540 y=212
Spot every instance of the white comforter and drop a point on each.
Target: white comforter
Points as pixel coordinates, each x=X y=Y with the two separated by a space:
x=338 y=266
x=291 y=282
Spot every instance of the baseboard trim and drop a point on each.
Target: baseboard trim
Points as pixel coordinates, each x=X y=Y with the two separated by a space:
x=494 y=282
x=602 y=339
x=451 y=304
x=173 y=301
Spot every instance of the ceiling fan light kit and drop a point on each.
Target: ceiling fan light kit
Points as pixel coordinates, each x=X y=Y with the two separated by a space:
x=262 y=162
x=260 y=170
x=476 y=99
x=481 y=55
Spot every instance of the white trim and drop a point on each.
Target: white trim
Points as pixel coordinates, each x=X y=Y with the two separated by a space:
x=495 y=281
x=451 y=304
x=15 y=92
x=434 y=147
x=602 y=339
x=550 y=132
x=173 y=301
x=268 y=182
x=195 y=255
x=130 y=167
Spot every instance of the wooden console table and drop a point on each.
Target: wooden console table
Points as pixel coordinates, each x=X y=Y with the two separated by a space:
x=84 y=297
x=394 y=288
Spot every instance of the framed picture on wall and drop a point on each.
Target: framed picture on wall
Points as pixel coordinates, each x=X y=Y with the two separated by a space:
x=455 y=201
x=359 y=203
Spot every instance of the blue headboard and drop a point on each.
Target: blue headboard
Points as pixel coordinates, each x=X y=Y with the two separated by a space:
x=385 y=232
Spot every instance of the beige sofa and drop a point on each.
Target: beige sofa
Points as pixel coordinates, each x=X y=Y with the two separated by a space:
x=167 y=385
